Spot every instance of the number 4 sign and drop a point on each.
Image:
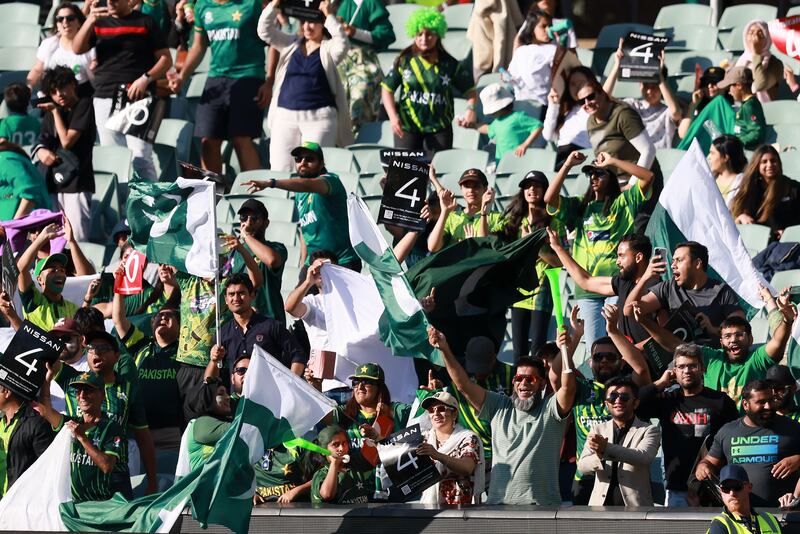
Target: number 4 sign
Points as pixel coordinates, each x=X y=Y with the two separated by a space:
x=22 y=366
x=129 y=282
x=640 y=57
x=404 y=193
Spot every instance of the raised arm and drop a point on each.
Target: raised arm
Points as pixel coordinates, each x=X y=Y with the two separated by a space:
x=565 y=394
x=82 y=265
x=777 y=344
x=294 y=305
x=253 y=271
x=338 y=44
x=660 y=335
x=674 y=106
x=596 y=284
x=611 y=81
x=448 y=203
x=552 y=195
x=51 y=231
x=474 y=393
x=298 y=185
x=81 y=43
x=121 y=322
x=630 y=354
x=644 y=175
x=268 y=30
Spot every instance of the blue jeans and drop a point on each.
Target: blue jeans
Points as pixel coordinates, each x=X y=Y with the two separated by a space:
x=593 y=323
x=677 y=499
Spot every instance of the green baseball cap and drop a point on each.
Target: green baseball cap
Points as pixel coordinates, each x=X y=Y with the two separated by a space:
x=89 y=378
x=308 y=146
x=42 y=264
x=370 y=371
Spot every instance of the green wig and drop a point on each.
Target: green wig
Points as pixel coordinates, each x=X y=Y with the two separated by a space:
x=426 y=19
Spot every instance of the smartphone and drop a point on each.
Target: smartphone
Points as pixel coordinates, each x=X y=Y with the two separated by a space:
x=661 y=251
x=40 y=98
x=101 y=3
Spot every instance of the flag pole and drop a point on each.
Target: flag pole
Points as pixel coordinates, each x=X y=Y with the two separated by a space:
x=216 y=270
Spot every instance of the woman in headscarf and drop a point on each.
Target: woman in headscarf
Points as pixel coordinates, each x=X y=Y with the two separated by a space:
x=767 y=69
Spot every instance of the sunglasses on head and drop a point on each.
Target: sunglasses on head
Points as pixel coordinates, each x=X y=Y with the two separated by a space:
x=731 y=487
x=526 y=378
x=309 y=159
x=240 y=371
x=623 y=397
x=365 y=381
x=600 y=356
x=591 y=97
x=68 y=18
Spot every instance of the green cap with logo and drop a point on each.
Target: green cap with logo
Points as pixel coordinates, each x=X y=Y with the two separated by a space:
x=44 y=263
x=306 y=147
x=88 y=378
x=369 y=371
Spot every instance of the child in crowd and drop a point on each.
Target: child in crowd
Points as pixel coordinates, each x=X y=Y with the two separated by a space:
x=19 y=127
x=511 y=130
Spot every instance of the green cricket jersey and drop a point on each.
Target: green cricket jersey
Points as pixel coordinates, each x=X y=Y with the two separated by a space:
x=268 y=299
x=589 y=410
x=355 y=487
x=598 y=234
x=323 y=221
x=426 y=91
x=457 y=221
x=198 y=320
x=88 y=482
x=729 y=377
x=236 y=50
x=278 y=471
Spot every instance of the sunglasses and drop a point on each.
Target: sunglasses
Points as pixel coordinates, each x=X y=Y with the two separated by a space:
x=526 y=378
x=367 y=382
x=591 y=97
x=309 y=159
x=100 y=347
x=243 y=218
x=600 y=356
x=240 y=371
x=623 y=397
x=731 y=487
x=440 y=409
x=67 y=18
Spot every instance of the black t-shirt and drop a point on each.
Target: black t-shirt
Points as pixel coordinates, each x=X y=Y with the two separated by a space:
x=125 y=50
x=80 y=118
x=629 y=327
x=685 y=424
x=715 y=299
x=757 y=450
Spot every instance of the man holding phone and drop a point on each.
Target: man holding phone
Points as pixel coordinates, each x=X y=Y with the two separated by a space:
x=131 y=52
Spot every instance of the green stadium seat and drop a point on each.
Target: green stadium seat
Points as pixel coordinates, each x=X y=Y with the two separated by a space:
x=585 y=56
x=627 y=90
x=785 y=134
x=790 y=162
x=370 y=185
x=690 y=37
x=755 y=237
x=793 y=11
x=283 y=232
x=398 y=15
x=684 y=62
x=679 y=14
x=349 y=181
x=668 y=158
x=457 y=16
x=538 y=159
x=457 y=44
x=376 y=133
x=339 y=160
x=732 y=40
x=466 y=138
x=576 y=185
x=14 y=34
x=105 y=206
x=20 y=12
x=173 y=144
x=262 y=174
x=280 y=209
x=782 y=112
x=96 y=253
x=459 y=160
x=786 y=279
x=488 y=79
x=741 y=14
x=115 y=160
x=17 y=58
x=791 y=234
x=368 y=157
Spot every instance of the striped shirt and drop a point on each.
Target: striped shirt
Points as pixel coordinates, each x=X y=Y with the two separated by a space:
x=88 y=482
x=589 y=410
x=526 y=450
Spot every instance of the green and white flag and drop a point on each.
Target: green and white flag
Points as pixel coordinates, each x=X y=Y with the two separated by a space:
x=691 y=208
x=403 y=326
x=276 y=406
x=175 y=223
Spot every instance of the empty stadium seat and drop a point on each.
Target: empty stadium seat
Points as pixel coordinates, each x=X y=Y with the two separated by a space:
x=262 y=174
x=458 y=160
x=457 y=44
x=684 y=62
x=538 y=159
x=668 y=158
x=173 y=144
x=786 y=279
x=339 y=160
x=791 y=234
x=679 y=14
x=97 y=254
x=368 y=157
x=690 y=37
x=755 y=237
x=782 y=112
x=283 y=232
x=113 y=159
x=398 y=15
x=457 y=16
x=467 y=138
x=376 y=133
x=14 y=34
x=17 y=58
x=734 y=16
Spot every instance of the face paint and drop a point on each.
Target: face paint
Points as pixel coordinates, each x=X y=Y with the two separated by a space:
x=51 y=286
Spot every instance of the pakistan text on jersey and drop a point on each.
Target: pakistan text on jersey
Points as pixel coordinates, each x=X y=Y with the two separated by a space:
x=157 y=374
x=223 y=34
x=80 y=458
x=425 y=98
x=275 y=491
x=308 y=218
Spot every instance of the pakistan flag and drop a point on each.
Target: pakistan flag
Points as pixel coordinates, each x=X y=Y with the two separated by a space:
x=175 y=223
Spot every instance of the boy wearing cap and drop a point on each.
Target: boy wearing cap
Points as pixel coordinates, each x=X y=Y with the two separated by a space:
x=321 y=202
x=122 y=404
x=44 y=308
x=750 y=125
x=511 y=130
x=739 y=517
x=97 y=450
x=69 y=332
x=784 y=387
x=476 y=220
x=269 y=255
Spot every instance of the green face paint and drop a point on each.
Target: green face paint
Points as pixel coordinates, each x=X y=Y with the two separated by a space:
x=51 y=286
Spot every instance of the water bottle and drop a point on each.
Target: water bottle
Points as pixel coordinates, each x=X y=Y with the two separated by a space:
x=712 y=129
x=515 y=82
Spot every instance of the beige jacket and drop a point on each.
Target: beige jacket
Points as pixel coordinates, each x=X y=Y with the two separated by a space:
x=492 y=28
x=635 y=455
x=332 y=52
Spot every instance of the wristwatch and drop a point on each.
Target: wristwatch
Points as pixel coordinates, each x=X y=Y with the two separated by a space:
x=147 y=77
x=272 y=182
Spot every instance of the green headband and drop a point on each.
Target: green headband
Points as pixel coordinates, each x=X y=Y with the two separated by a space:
x=426 y=19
